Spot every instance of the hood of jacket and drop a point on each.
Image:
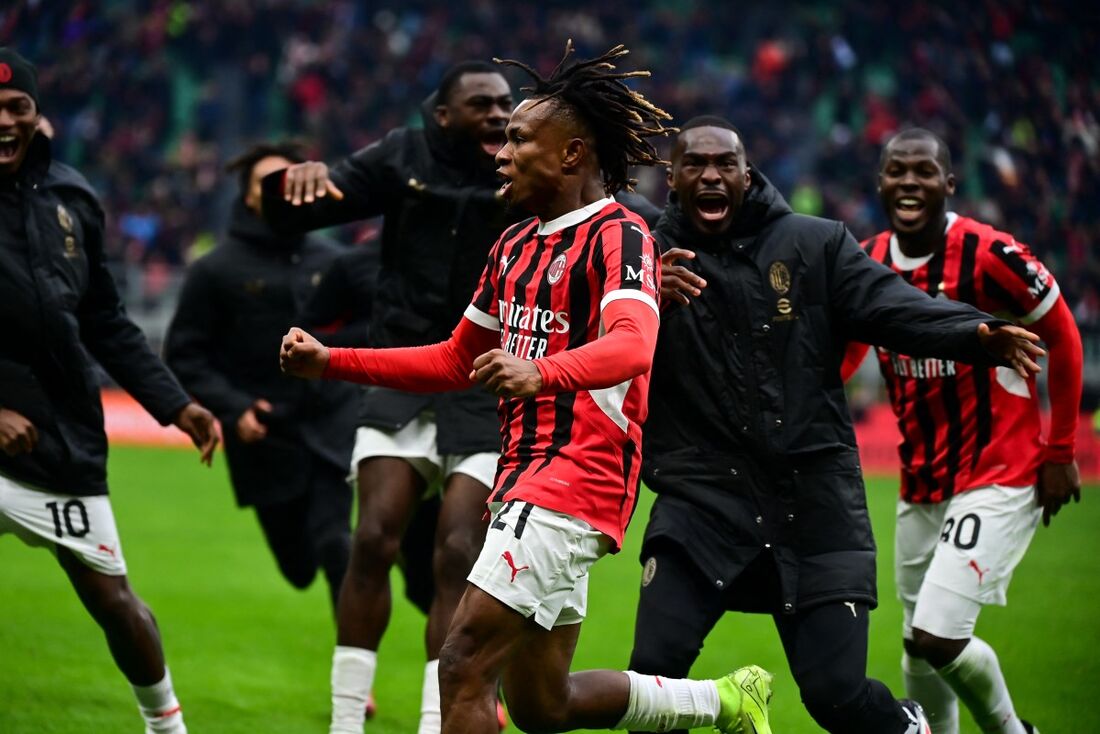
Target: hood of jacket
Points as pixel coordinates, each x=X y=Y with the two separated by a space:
x=762 y=205
x=244 y=225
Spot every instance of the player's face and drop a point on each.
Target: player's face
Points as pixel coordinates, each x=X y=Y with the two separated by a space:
x=18 y=120
x=264 y=166
x=710 y=176
x=538 y=143
x=478 y=111
x=913 y=185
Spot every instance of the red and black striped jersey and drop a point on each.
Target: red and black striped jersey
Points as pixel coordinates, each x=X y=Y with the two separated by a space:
x=964 y=427
x=544 y=288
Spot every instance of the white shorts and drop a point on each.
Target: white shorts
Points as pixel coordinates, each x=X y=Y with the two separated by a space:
x=84 y=525
x=416 y=444
x=536 y=561
x=952 y=557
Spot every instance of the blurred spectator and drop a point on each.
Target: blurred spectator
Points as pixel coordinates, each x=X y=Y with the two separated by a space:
x=147 y=96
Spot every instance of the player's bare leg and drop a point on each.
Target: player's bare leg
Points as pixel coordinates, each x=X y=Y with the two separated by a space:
x=459 y=537
x=133 y=639
x=489 y=641
x=389 y=490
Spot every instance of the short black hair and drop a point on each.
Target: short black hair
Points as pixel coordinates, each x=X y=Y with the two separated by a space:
x=618 y=118
x=243 y=164
x=454 y=75
x=943 y=153
x=708 y=121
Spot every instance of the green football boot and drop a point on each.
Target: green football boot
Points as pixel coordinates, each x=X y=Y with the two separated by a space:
x=744 y=696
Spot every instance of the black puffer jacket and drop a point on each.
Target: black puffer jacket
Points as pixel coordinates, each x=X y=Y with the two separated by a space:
x=749 y=442
x=236 y=304
x=442 y=215
x=61 y=313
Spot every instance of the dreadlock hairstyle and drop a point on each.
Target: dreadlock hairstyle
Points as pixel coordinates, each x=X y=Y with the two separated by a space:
x=618 y=118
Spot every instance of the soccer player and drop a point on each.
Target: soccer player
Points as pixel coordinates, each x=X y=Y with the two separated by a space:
x=562 y=328
x=288 y=448
x=436 y=188
x=62 y=315
x=749 y=446
x=976 y=473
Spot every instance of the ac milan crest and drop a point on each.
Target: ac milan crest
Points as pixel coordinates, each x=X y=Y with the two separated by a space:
x=556 y=269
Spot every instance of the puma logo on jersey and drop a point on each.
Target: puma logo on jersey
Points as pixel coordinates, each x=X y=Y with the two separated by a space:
x=505 y=262
x=978 y=570
x=507 y=556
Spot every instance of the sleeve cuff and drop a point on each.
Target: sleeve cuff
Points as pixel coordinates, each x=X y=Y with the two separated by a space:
x=1058 y=454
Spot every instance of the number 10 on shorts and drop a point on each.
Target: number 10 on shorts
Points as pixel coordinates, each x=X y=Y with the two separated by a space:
x=65 y=514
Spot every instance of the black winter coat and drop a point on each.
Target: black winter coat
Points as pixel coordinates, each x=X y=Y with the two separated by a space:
x=237 y=303
x=61 y=313
x=442 y=216
x=749 y=443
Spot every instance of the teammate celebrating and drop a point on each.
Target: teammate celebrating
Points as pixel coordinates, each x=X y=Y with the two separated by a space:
x=437 y=191
x=973 y=459
x=60 y=310
x=570 y=296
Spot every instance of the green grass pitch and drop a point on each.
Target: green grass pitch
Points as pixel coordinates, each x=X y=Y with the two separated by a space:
x=248 y=653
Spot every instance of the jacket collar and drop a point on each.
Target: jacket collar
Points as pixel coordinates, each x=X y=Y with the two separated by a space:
x=246 y=226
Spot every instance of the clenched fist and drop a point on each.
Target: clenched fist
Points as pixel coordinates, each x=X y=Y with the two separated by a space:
x=507 y=376
x=302 y=355
x=17 y=434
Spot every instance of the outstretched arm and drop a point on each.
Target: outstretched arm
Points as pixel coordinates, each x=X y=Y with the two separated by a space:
x=311 y=195
x=434 y=368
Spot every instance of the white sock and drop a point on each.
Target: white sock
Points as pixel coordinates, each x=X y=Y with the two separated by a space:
x=975 y=675
x=159 y=707
x=662 y=704
x=352 y=678
x=925 y=686
x=430 y=722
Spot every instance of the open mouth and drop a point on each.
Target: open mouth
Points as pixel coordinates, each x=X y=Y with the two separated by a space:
x=505 y=190
x=908 y=208
x=9 y=146
x=712 y=206
x=492 y=142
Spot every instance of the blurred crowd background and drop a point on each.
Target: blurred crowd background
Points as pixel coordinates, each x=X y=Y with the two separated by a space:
x=149 y=99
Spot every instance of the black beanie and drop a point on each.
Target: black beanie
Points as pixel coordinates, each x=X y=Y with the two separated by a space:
x=18 y=73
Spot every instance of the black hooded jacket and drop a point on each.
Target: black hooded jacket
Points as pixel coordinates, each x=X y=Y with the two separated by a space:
x=442 y=215
x=62 y=313
x=749 y=443
x=236 y=304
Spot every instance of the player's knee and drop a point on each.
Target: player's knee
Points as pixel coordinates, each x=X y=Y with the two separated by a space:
x=824 y=691
x=938 y=651
x=372 y=548
x=453 y=558
x=116 y=602
x=300 y=575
